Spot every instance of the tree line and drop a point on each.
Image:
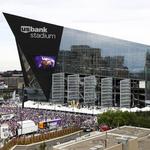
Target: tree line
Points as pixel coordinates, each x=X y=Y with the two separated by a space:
x=118 y=118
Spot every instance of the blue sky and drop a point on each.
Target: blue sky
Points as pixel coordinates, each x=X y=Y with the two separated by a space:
x=129 y=20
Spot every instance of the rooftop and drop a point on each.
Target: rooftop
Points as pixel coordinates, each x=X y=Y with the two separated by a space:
x=132 y=137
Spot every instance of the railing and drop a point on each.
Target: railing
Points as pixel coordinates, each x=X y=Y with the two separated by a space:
x=25 y=140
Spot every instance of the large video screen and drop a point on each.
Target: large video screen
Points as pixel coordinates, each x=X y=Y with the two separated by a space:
x=44 y=62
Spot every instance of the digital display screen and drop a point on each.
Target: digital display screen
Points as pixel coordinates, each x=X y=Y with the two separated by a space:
x=44 y=62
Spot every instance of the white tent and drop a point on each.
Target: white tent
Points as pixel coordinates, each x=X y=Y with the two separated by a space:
x=31 y=104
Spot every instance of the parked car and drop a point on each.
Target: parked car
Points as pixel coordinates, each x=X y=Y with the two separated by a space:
x=104 y=127
x=87 y=129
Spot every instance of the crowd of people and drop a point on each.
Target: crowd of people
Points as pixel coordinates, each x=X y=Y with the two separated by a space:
x=35 y=114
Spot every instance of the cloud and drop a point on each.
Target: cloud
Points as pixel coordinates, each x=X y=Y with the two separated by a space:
x=127 y=19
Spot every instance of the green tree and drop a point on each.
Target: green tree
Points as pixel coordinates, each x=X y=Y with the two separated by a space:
x=118 y=121
x=106 y=118
x=119 y=118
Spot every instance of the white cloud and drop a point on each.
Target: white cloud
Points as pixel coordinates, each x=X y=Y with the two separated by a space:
x=127 y=19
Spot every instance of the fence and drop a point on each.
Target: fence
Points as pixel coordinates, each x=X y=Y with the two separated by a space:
x=25 y=140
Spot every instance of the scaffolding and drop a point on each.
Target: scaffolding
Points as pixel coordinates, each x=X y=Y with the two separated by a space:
x=106 y=92
x=90 y=90
x=125 y=93
x=73 y=87
x=58 y=86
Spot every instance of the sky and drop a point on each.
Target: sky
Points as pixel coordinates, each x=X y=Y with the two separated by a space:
x=123 y=19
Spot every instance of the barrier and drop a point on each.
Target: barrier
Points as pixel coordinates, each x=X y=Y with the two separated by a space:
x=25 y=140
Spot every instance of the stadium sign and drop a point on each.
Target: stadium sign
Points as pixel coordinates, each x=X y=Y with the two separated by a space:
x=27 y=29
x=37 y=32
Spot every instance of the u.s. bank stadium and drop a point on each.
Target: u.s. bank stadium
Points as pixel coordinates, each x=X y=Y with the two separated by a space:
x=63 y=65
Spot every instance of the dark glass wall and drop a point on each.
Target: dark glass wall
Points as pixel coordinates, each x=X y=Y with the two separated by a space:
x=147 y=75
x=87 y=53
x=97 y=54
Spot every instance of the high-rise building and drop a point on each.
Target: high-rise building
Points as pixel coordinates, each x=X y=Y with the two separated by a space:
x=46 y=49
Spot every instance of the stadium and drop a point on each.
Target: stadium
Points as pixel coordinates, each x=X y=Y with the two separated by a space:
x=63 y=65
x=70 y=77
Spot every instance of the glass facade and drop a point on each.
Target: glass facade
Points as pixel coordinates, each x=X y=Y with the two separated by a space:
x=91 y=54
x=87 y=53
